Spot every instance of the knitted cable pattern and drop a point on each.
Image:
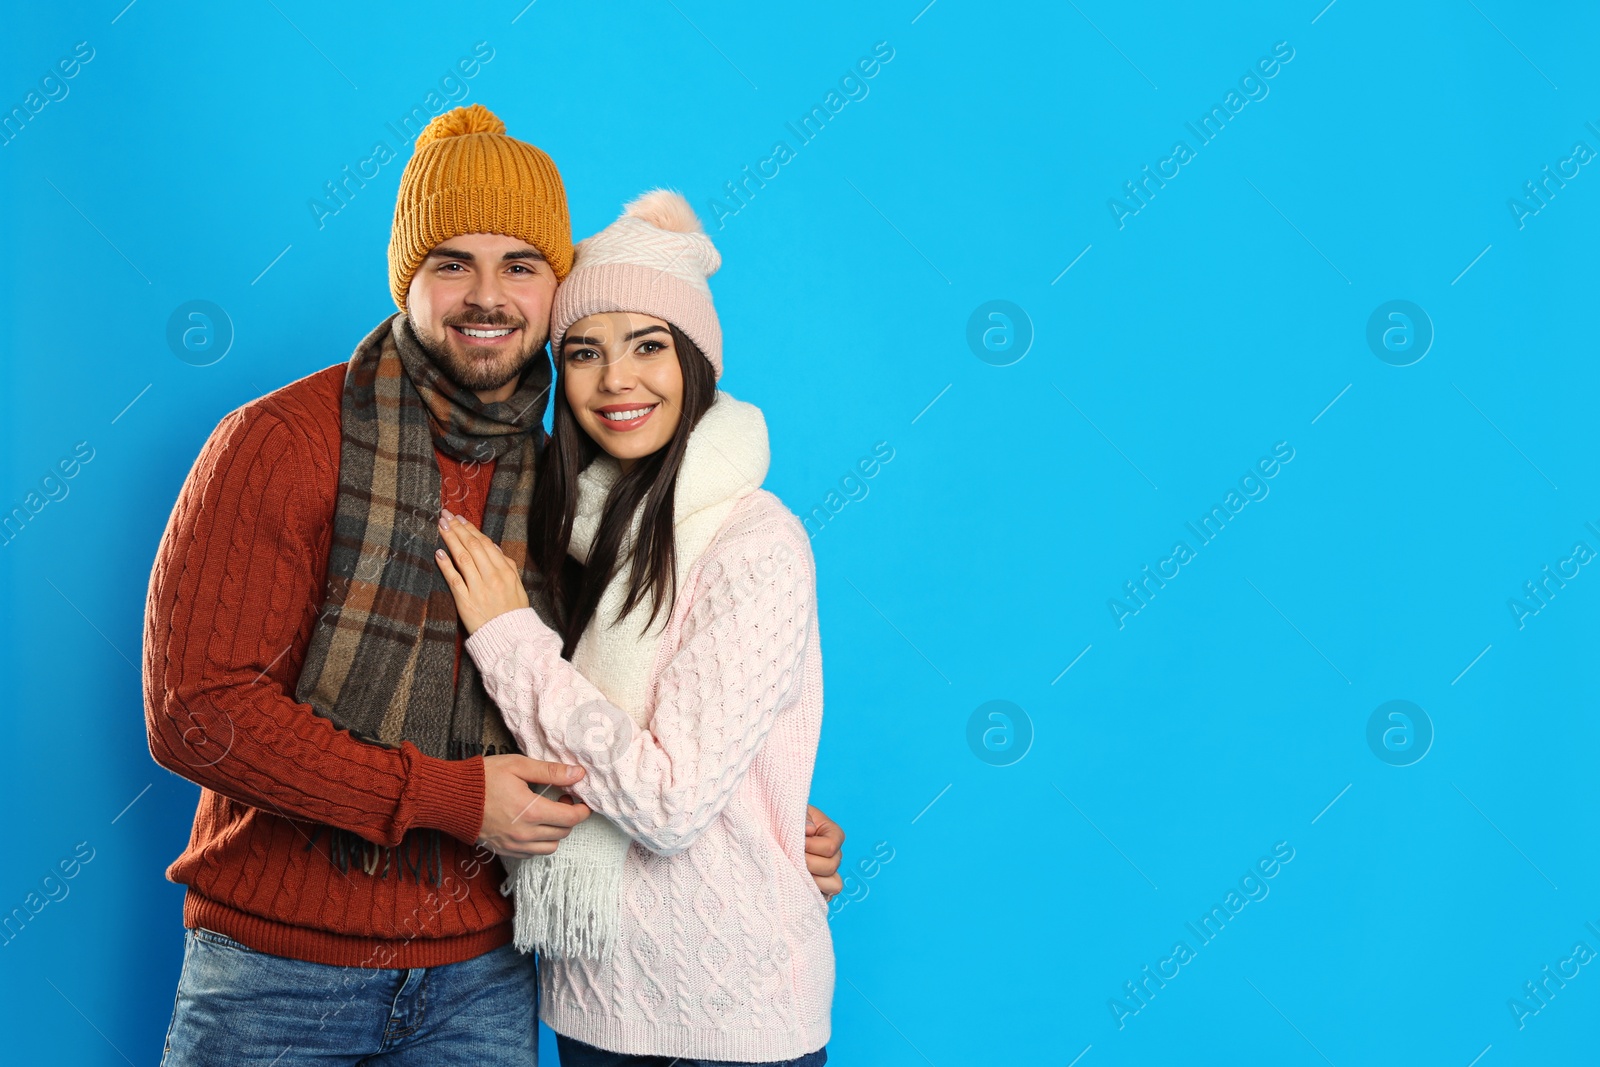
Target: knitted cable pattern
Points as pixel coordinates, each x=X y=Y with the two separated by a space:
x=724 y=948
x=235 y=590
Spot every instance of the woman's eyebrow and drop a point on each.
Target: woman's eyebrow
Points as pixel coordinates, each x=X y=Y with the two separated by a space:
x=565 y=341
x=641 y=331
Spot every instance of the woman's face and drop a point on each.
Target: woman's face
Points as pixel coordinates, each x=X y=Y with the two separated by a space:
x=622 y=380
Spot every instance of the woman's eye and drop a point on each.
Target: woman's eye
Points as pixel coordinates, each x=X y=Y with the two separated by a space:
x=650 y=347
x=580 y=355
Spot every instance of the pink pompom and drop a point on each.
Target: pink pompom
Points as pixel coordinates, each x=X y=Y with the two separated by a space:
x=665 y=210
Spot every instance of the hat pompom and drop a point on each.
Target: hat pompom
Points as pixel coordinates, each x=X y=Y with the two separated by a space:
x=665 y=210
x=474 y=118
x=656 y=260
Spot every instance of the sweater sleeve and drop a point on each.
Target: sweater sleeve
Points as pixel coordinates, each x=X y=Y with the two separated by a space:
x=740 y=658
x=232 y=602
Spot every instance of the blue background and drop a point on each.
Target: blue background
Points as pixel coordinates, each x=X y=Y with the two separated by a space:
x=1228 y=715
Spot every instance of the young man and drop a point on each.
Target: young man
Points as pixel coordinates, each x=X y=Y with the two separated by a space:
x=303 y=660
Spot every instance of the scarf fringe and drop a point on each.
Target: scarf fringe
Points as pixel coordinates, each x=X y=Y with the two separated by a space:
x=565 y=910
x=461 y=748
x=420 y=852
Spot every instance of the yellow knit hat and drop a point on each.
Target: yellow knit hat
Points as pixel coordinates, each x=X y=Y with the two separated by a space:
x=467 y=176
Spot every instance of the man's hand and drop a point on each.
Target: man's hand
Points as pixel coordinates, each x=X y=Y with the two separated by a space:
x=519 y=822
x=824 y=851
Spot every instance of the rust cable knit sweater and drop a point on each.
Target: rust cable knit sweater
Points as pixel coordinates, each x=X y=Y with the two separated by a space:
x=238 y=581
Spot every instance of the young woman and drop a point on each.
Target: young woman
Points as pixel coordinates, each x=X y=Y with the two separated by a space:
x=679 y=923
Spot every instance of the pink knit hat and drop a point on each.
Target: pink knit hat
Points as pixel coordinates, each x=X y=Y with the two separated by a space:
x=654 y=260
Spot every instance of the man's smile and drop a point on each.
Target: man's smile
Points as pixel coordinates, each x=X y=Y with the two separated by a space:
x=483 y=335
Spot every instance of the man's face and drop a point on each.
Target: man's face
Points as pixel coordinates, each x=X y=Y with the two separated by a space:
x=480 y=305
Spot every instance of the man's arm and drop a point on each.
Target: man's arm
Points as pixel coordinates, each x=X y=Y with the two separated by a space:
x=232 y=600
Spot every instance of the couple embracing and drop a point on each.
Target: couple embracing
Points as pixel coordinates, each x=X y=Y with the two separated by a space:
x=492 y=725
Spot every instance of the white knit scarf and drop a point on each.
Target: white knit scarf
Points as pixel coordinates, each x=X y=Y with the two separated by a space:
x=568 y=903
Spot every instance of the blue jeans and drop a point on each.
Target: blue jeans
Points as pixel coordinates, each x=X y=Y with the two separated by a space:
x=240 y=1008
x=577 y=1054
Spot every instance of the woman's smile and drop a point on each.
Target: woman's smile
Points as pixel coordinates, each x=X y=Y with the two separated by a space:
x=624 y=417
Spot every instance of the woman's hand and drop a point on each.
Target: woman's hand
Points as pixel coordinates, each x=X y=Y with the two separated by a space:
x=482 y=578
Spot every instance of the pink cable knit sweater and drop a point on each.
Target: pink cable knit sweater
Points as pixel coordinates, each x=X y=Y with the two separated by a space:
x=724 y=950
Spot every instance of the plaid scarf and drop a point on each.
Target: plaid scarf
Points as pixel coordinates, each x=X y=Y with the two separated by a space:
x=381 y=658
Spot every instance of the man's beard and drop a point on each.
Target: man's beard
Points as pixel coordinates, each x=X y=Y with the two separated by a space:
x=480 y=374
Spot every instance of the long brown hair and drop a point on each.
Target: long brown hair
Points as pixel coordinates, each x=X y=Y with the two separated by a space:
x=652 y=480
